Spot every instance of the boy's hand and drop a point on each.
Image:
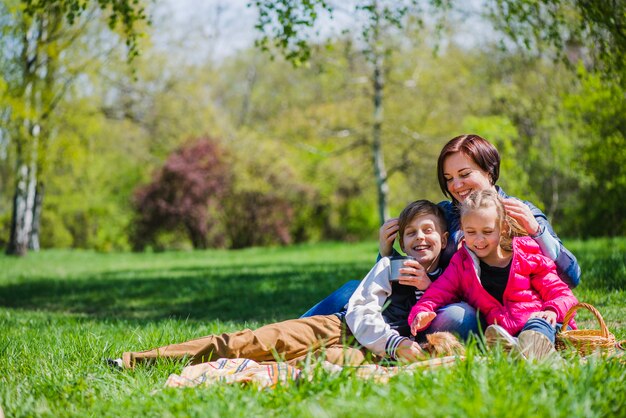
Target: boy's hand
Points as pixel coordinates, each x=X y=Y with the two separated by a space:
x=410 y=351
x=414 y=274
x=386 y=235
x=517 y=210
x=549 y=316
x=421 y=321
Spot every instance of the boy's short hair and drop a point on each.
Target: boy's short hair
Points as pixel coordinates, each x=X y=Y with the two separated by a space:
x=420 y=208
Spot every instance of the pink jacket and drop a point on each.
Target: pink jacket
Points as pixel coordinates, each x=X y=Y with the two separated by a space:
x=533 y=286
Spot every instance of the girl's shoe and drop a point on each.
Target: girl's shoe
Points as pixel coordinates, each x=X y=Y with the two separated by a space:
x=536 y=346
x=496 y=336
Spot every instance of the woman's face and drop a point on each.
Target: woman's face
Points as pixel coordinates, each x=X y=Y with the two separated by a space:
x=463 y=176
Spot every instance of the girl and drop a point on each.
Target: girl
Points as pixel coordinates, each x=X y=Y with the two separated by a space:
x=504 y=276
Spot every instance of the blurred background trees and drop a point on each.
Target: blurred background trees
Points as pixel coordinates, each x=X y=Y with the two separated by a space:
x=117 y=148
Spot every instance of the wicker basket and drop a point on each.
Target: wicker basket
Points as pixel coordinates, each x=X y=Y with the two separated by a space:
x=585 y=341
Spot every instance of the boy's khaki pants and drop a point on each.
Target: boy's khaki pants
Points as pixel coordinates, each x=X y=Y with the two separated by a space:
x=285 y=341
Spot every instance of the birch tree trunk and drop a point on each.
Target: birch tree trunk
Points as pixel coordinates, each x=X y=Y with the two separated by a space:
x=26 y=137
x=45 y=102
x=380 y=172
x=33 y=242
x=31 y=134
x=23 y=204
x=379 y=162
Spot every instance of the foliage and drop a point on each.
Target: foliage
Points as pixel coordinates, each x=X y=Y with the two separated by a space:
x=262 y=205
x=375 y=22
x=504 y=135
x=257 y=219
x=290 y=26
x=129 y=14
x=598 y=113
x=290 y=23
x=63 y=312
x=35 y=49
x=526 y=94
x=193 y=180
x=598 y=26
x=301 y=138
x=92 y=172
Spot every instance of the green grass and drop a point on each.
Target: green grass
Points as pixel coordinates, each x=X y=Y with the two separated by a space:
x=63 y=312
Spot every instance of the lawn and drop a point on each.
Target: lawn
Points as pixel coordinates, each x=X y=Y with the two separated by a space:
x=63 y=312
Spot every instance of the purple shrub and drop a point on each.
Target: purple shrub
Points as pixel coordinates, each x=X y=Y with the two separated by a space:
x=194 y=179
x=256 y=219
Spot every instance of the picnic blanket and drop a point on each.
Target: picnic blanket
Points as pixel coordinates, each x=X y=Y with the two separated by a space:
x=247 y=371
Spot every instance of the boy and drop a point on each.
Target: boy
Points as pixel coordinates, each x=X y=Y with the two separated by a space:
x=421 y=235
x=382 y=331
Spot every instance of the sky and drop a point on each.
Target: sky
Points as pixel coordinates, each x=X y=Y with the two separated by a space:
x=204 y=29
x=201 y=30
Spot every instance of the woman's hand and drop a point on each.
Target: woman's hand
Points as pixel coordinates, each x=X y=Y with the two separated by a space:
x=410 y=351
x=386 y=235
x=549 y=316
x=421 y=321
x=517 y=210
x=413 y=274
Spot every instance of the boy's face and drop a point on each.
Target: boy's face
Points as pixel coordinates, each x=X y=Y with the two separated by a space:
x=423 y=239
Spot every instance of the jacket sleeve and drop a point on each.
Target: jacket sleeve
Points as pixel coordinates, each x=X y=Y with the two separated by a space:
x=555 y=294
x=443 y=291
x=551 y=246
x=364 y=316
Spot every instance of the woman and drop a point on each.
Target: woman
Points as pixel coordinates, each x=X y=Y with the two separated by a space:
x=468 y=163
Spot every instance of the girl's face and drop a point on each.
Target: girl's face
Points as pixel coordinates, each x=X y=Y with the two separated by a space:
x=423 y=239
x=463 y=176
x=482 y=231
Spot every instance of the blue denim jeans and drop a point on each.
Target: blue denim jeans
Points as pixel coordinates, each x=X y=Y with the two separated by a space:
x=542 y=326
x=335 y=302
x=459 y=318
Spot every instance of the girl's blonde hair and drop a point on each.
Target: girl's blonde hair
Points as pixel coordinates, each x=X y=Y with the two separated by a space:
x=509 y=227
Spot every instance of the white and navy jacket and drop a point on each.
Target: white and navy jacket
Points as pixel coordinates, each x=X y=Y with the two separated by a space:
x=378 y=310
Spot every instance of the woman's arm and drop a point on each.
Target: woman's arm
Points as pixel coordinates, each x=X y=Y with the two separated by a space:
x=536 y=224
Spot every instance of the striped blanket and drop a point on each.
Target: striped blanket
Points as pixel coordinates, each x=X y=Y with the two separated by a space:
x=270 y=374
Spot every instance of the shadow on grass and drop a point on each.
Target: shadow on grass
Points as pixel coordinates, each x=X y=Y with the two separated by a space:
x=257 y=292
x=254 y=292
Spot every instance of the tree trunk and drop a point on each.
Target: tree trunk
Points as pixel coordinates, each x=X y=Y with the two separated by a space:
x=26 y=152
x=39 y=73
x=22 y=217
x=196 y=235
x=377 y=153
x=33 y=243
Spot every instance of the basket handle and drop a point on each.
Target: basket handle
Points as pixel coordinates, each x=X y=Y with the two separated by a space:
x=568 y=316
